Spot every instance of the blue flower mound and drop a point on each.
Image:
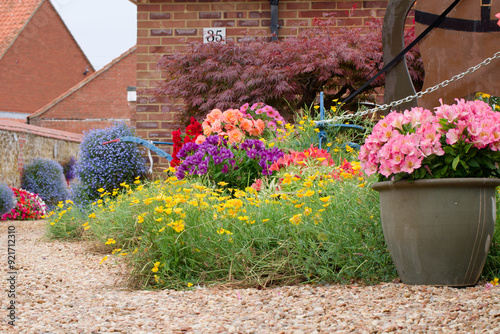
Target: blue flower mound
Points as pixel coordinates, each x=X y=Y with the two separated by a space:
x=45 y=177
x=7 y=199
x=106 y=166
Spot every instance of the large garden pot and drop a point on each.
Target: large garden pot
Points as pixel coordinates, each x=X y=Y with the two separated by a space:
x=438 y=231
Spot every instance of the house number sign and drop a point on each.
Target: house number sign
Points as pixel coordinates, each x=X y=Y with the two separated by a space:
x=211 y=35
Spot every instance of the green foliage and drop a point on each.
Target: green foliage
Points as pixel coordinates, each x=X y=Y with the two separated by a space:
x=176 y=233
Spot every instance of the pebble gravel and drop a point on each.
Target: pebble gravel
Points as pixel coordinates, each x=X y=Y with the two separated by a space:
x=60 y=287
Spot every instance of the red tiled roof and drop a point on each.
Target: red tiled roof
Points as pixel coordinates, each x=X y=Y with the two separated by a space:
x=14 y=14
x=82 y=83
x=18 y=120
x=10 y=125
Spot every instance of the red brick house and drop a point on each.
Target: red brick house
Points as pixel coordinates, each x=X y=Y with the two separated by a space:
x=95 y=102
x=166 y=25
x=39 y=58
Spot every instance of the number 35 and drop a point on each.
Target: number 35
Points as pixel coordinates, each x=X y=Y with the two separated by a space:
x=214 y=36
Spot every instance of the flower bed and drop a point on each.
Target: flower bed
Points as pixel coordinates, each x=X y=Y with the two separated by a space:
x=246 y=213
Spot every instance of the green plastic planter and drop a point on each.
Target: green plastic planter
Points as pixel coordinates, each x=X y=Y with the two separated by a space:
x=438 y=231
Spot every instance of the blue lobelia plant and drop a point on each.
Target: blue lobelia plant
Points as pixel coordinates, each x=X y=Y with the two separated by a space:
x=45 y=177
x=7 y=199
x=106 y=166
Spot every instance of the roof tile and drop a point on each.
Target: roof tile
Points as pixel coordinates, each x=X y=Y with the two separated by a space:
x=9 y=125
x=14 y=15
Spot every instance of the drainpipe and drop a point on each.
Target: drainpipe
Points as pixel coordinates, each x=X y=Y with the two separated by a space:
x=274 y=20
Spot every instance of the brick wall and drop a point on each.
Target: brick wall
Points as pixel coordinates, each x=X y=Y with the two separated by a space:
x=42 y=63
x=97 y=102
x=20 y=143
x=166 y=25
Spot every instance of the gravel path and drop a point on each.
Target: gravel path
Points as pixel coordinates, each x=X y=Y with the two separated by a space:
x=62 y=288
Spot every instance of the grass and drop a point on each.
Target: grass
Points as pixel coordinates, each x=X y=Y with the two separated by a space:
x=176 y=233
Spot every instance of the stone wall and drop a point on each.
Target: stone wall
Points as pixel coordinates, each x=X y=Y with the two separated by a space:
x=20 y=143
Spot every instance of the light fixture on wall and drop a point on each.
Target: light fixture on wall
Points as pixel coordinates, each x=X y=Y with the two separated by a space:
x=131 y=94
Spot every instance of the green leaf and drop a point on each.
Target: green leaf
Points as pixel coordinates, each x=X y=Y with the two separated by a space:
x=455 y=162
x=473 y=163
x=449 y=150
x=489 y=163
x=464 y=164
x=467 y=147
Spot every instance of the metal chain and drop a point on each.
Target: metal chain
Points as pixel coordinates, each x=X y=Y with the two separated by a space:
x=412 y=97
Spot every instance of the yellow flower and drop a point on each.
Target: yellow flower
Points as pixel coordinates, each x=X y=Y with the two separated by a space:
x=68 y=201
x=265 y=220
x=52 y=223
x=103 y=259
x=178 y=226
x=116 y=250
x=495 y=281
x=243 y=218
x=309 y=193
x=296 y=219
x=190 y=285
x=325 y=199
x=92 y=215
x=299 y=205
x=137 y=182
x=222 y=183
x=308 y=184
x=110 y=241
x=307 y=211
x=100 y=190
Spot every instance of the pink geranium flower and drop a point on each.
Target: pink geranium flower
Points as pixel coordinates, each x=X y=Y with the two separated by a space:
x=409 y=144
